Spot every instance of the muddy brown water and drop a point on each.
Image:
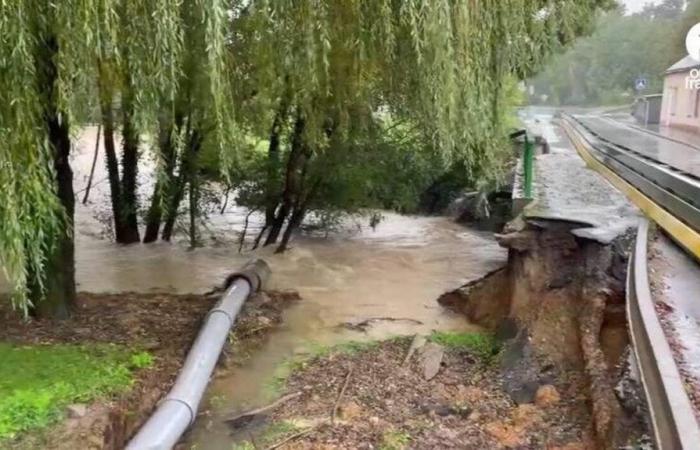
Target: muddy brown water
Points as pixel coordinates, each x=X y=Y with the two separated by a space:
x=356 y=273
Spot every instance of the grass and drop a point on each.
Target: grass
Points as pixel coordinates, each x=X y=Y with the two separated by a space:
x=481 y=345
x=275 y=386
x=395 y=440
x=38 y=382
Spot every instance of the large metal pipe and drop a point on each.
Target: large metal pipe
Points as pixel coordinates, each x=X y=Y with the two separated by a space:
x=178 y=410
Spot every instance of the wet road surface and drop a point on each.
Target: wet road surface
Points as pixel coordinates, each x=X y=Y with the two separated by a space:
x=682 y=157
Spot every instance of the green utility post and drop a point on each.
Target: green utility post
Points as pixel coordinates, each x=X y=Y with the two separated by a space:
x=528 y=157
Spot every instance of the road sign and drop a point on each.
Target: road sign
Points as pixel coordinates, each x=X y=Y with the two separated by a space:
x=640 y=84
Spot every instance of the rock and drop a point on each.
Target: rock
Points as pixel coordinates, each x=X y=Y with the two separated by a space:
x=76 y=411
x=349 y=411
x=418 y=342
x=547 y=395
x=431 y=359
x=519 y=369
x=374 y=420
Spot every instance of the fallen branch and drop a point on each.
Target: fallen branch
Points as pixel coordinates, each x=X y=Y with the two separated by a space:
x=334 y=412
x=249 y=414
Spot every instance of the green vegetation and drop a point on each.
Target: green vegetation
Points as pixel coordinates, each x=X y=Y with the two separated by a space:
x=480 y=344
x=362 y=104
x=395 y=440
x=275 y=386
x=38 y=382
x=601 y=69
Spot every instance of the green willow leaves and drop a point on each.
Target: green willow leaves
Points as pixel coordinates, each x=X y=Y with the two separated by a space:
x=441 y=64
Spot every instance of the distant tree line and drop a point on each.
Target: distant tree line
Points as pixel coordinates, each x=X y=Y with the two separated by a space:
x=601 y=69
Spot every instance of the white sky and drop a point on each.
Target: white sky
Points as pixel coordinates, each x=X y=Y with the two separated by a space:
x=636 y=5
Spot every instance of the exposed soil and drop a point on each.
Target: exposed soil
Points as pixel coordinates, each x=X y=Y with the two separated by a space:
x=388 y=405
x=163 y=324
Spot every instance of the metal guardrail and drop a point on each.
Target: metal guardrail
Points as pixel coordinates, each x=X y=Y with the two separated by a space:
x=672 y=416
x=669 y=197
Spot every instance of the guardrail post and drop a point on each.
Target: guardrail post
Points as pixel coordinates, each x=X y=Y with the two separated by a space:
x=528 y=157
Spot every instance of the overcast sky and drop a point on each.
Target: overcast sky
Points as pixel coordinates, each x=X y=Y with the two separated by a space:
x=636 y=5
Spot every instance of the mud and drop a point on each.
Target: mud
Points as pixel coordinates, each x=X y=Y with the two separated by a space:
x=163 y=324
x=387 y=404
x=566 y=294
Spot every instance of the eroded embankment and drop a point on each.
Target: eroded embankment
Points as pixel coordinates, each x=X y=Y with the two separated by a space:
x=559 y=301
x=385 y=395
x=164 y=326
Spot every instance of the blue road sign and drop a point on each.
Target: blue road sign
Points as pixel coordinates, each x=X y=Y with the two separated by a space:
x=640 y=84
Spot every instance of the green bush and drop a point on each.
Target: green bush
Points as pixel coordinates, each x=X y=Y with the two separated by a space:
x=38 y=382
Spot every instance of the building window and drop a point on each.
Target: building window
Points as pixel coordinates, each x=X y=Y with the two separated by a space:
x=673 y=95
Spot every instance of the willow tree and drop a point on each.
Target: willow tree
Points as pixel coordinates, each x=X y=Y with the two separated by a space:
x=196 y=118
x=325 y=70
x=47 y=60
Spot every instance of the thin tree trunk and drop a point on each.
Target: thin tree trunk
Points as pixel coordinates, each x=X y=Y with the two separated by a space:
x=299 y=212
x=241 y=241
x=155 y=212
x=225 y=202
x=294 y=222
x=291 y=182
x=193 y=197
x=58 y=296
x=186 y=164
x=130 y=157
x=271 y=188
x=256 y=243
x=94 y=163
x=176 y=194
x=107 y=113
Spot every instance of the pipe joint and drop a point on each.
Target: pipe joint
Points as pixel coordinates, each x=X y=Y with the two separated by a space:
x=256 y=273
x=220 y=310
x=193 y=414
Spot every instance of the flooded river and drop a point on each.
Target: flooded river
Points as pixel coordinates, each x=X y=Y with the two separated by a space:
x=396 y=270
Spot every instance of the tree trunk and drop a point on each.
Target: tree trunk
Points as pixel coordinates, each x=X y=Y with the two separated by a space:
x=94 y=163
x=296 y=156
x=193 y=197
x=271 y=189
x=155 y=212
x=294 y=222
x=59 y=279
x=107 y=112
x=178 y=191
x=130 y=158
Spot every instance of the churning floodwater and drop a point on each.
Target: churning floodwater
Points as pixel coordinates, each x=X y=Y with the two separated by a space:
x=395 y=270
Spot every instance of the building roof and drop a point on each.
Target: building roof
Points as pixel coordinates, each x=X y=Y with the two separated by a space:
x=684 y=65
